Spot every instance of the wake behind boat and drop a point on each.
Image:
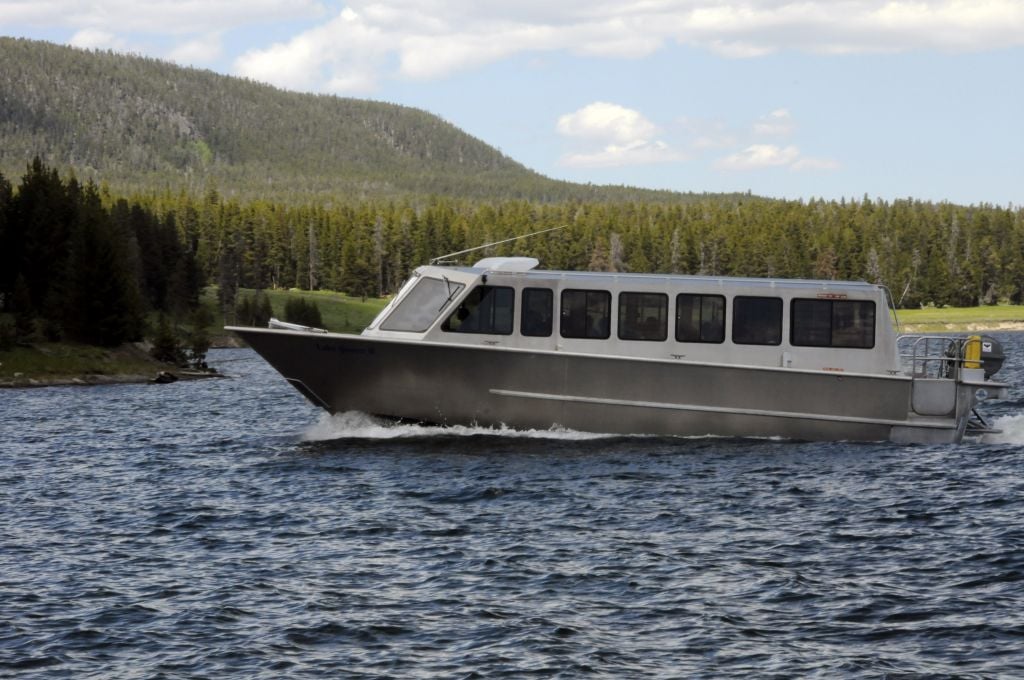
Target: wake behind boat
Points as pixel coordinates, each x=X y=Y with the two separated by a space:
x=502 y=343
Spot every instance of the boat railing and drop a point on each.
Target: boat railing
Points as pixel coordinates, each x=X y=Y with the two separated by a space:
x=937 y=356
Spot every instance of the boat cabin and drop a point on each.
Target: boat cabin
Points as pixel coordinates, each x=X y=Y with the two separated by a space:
x=838 y=326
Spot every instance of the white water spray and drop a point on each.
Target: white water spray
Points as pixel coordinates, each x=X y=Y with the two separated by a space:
x=1012 y=430
x=356 y=425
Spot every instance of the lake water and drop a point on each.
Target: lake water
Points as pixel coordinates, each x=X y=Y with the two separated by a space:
x=226 y=528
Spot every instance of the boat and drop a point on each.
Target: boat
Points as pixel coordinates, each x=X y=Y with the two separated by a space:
x=502 y=343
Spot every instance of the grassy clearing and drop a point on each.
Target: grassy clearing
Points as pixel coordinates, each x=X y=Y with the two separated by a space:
x=991 y=318
x=54 y=361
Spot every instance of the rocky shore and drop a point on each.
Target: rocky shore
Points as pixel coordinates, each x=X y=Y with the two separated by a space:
x=22 y=380
x=52 y=364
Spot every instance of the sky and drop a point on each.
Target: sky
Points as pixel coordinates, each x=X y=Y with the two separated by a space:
x=792 y=99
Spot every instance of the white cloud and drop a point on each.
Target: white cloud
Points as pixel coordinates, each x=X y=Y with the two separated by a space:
x=760 y=156
x=95 y=39
x=778 y=123
x=604 y=121
x=158 y=17
x=626 y=135
x=203 y=50
x=619 y=155
x=432 y=39
x=421 y=39
x=340 y=56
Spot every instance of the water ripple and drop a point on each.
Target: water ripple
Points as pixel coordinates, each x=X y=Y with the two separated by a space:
x=226 y=528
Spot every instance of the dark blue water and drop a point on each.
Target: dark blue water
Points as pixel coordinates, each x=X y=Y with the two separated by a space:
x=225 y=529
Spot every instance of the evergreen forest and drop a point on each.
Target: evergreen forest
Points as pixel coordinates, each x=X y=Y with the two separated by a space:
x=142 y=182
x=79 y=264
x=83 y=263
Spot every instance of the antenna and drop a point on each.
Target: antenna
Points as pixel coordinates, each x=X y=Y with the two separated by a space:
x=440 y=260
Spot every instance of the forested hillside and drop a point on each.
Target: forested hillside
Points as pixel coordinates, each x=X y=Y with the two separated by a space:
x=142 y=125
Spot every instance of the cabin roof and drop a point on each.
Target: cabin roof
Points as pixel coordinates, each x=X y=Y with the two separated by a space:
x=619 y=277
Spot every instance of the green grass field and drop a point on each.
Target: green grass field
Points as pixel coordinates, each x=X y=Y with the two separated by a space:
x=990 y=318
x=56 y=360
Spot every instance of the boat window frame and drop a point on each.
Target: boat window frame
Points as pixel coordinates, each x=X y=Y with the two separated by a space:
x=524 y=310
x=589 y=293
x=700 y=322
x=412 y=304
x=738 y=304
x=446 y=325
x=641 y=331
x=794 y=322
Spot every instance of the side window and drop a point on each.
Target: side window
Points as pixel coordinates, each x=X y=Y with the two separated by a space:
x=487 y=309
x=586 y=314
x=643 y=316
x=536 y=318
x=700 y=318
x=757 y=320
x=833 y=323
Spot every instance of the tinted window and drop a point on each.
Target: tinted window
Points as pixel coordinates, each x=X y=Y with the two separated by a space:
x=757 y=320
x=586 y=314
x=418 y=310
x=833 y=323
x=537 y=306
x=700 y=318
x=643 y=316
x=487 y=309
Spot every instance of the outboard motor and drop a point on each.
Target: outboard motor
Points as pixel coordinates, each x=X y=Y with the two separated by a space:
x=991 y=355
x=981 y=351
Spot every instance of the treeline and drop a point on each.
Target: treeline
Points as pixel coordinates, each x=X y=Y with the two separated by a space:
x=926 y=253
x=78 y=264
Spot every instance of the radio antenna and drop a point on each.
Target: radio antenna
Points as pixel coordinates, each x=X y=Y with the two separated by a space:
x=442 y=258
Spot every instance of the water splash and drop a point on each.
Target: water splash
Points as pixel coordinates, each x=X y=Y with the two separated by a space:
x=357 y=425
x=1012 y=427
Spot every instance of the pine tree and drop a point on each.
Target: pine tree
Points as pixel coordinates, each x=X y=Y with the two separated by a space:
x=24 y=314
x=299 y=310
x=102 y=305
x=198 y=337
x=39 y=243
x=8 y=263
x=166 y=347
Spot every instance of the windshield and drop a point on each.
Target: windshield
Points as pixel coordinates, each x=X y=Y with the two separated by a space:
x=420 y=308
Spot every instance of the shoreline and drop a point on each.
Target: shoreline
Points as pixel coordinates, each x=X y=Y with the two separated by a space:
x=68 y=364
x=969 y=327
x=94 y=379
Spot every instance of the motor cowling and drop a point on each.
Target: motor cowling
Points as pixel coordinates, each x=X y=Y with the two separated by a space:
x=992 y=355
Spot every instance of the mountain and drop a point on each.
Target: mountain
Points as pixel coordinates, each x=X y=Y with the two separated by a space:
x=141 y=124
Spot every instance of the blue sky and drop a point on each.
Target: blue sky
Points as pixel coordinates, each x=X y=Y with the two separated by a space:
x=795 y=99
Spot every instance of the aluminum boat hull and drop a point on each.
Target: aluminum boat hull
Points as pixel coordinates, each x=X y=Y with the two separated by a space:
x=478 y=385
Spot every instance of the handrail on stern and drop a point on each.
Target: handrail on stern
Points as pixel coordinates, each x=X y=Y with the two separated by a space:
x=935 y=356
